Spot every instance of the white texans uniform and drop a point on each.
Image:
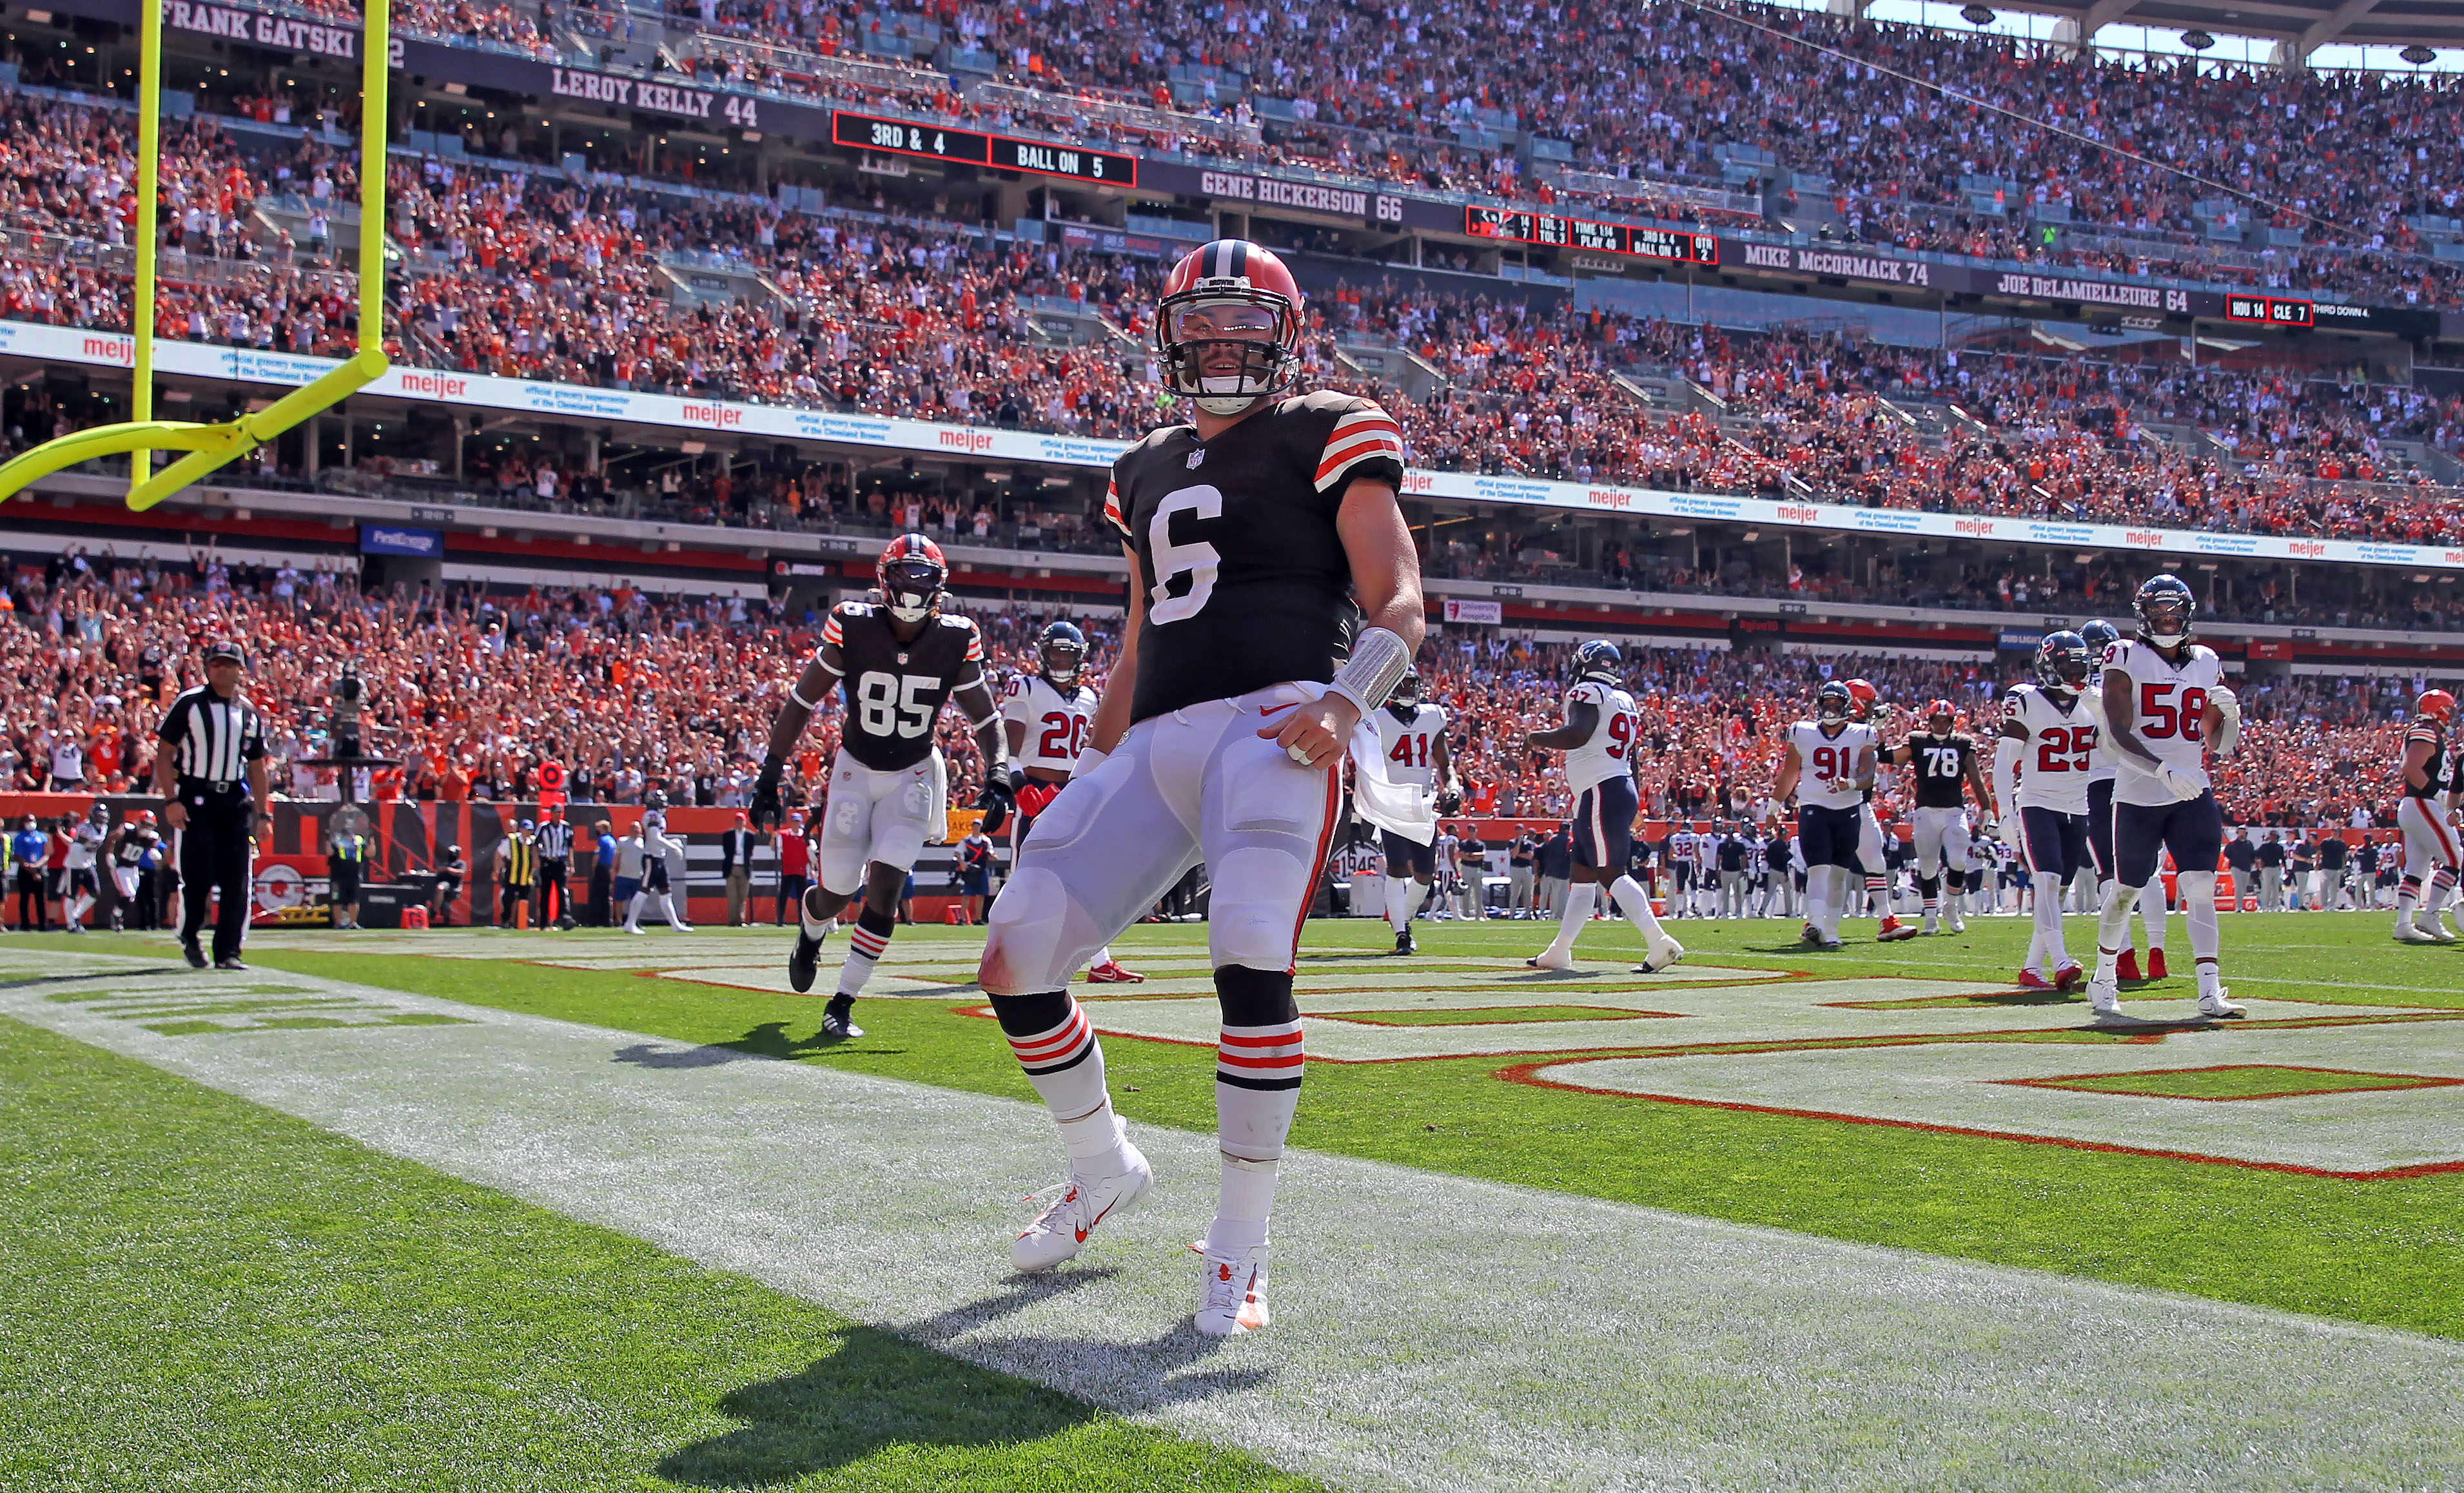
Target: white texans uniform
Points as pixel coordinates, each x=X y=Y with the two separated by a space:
x=1410 y=747
x=2099 y=761
x=2169 y=702
x=1056 y=720
x=1609 y=752
x=2060 y=746
x=1829 y=763
x=1831 y=803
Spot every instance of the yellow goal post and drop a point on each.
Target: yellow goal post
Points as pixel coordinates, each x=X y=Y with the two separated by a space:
x=211 y=446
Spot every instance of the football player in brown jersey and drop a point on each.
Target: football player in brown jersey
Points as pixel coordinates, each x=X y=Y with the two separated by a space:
x=2433 y=783
x=899 y=657
x=1274 y=600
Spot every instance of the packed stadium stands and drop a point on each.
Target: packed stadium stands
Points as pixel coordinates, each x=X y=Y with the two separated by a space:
x=1917 y=137
x=816 y=282
x=535 y=278
x=473 y=690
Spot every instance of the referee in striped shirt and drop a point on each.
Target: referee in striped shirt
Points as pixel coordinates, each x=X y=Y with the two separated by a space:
x=210 y=770
x=554 y=844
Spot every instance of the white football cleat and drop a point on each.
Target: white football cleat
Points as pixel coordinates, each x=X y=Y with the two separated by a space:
x=1231 y=1291
x=1958 y=924
x=2214 y=1005
x=2412 y=932
x=2437 y=929
x=1549 y=958
x=1060 y=1231
x=2105 y=999
x=1664 y=952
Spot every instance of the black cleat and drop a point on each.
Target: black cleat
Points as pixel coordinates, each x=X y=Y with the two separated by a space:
x=836 y=1022
x=195 y=955
x=802 y=963
x=1403 y=943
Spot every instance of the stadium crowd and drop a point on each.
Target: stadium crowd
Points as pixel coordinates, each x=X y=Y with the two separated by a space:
x=1908 y=135
x=540 y=277
x=1912 y=136
x=473 y=690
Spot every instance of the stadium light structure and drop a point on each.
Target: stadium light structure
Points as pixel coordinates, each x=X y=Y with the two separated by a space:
x=211 y=446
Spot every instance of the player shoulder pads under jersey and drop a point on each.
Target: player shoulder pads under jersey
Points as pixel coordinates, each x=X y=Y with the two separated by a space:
x=966 y=627
x=834 y=626
x=1365 y=442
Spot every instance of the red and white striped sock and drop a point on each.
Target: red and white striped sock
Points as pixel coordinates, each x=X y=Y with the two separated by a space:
x=865 y=949
x=1257 y=1089
x=1055 y=1045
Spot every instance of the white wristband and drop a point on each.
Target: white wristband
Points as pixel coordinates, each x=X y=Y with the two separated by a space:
x=1379 y=660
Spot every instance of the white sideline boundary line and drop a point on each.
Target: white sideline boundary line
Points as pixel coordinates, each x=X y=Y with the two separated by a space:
x=1433 y=1332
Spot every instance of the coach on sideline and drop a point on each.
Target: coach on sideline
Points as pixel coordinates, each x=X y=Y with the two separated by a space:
x=210 y=771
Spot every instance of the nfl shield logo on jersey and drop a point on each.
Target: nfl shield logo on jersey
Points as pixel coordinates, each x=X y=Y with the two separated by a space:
x=1196 y=456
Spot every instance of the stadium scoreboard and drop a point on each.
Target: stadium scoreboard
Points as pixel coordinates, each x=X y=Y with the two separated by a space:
x=1516 y=225
x=973 y=147
x=2272 y=310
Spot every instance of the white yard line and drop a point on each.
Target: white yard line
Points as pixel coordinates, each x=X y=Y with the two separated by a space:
x=1433 y=1332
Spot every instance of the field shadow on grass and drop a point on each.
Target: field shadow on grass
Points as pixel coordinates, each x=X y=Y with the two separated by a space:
x=879 y=1391
x=875 y=1391
x=769 y=1039
x=1138 y=1377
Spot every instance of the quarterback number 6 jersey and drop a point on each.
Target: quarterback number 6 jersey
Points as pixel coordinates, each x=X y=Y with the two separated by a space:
x=1246 y=579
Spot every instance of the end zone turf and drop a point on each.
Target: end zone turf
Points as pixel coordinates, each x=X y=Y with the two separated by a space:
x=2381 y=1252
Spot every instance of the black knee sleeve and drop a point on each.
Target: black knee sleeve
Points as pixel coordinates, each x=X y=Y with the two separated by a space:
x=1255 y=997
x=1930 y=886
x=1033 y=1014
x=1958 y=880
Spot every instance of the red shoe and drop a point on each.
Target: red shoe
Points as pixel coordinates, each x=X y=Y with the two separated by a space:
x=1893 y=931
x=1110 y=973
x=2155 y=964
x=2128 y=966
x=2068 y=977
x=2030 y=980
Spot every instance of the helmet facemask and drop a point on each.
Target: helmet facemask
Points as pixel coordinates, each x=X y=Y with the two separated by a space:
x=910 y=588
x=1062 y=661
x=1229 y=346
x=2166 y=621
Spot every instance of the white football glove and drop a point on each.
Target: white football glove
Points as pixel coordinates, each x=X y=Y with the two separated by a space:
x=2179 y=781
x=2229 y=728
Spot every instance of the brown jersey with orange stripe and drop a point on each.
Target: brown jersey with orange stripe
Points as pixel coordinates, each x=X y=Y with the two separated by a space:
x=1246 y=582
x=2432 y=730
x=895 y=689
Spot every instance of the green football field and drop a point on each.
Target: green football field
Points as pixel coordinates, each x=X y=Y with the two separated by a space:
x=469 y=1210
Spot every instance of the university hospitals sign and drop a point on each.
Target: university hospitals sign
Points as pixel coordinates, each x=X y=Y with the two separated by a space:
x=572 y=401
